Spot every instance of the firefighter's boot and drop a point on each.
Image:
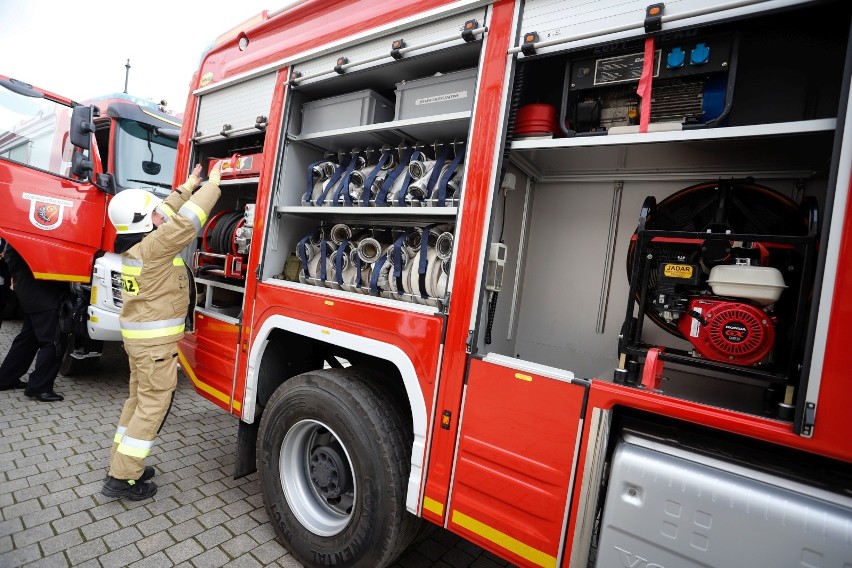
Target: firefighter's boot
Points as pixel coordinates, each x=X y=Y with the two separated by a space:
x=135 y=490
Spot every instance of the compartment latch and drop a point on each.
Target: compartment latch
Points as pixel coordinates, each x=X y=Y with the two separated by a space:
x=654 y=18
x=528 y=47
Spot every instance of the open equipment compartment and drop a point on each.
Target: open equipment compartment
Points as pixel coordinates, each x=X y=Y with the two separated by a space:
x=233 y=133
x=367 y=206
x=568 y=214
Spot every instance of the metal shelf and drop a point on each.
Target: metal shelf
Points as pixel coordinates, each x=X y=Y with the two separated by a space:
x=444 y=127
x=239 y=181
x=220 y=284
x=789 y=149
x=754 y=131
x=365 y=214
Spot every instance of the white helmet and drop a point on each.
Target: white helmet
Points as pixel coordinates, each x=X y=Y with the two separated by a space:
x=130 y=211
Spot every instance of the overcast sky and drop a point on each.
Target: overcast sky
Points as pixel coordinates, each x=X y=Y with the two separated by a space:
x=79 y=48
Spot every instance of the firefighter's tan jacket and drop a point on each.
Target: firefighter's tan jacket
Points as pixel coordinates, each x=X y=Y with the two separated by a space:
x=156 y=282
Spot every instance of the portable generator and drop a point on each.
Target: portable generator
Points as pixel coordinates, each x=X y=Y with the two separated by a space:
x=716 y=264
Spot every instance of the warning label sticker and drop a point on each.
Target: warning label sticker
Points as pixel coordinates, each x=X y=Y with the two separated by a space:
x=678 y=270
x=441 y=98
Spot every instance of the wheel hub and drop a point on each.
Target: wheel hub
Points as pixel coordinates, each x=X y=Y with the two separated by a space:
x=328 y=472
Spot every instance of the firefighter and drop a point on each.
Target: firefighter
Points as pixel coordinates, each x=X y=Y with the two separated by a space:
x=156 y=301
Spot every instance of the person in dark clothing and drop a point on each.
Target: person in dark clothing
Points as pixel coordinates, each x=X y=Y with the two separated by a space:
x=39 y=337
x=5 y=282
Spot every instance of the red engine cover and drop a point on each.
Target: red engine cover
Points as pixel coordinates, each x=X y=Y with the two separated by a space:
x=730 y=332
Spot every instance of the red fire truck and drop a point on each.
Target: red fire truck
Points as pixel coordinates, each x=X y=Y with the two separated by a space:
x=55 y=185
x=563 y=277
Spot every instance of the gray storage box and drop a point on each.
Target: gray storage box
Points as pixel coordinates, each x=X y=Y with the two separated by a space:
x=679 y=508
x=343 y=111
x=439 y=94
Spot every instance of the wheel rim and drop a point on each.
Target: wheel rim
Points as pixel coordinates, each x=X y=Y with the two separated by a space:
x=317 y=477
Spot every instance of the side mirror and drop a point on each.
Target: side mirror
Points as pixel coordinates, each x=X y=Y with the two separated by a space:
x=151 y=168
x=82 y=126
x=81 y=166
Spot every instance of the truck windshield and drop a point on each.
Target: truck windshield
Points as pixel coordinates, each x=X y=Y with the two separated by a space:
x=144 y=158
x=34 y=132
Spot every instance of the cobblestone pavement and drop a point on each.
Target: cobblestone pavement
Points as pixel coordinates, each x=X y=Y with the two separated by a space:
x=53 y=458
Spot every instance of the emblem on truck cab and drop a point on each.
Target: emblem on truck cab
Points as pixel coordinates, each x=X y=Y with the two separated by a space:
x=46 y=213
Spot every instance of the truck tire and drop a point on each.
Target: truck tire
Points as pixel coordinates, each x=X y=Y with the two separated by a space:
x=333 y=460
x=72 y=366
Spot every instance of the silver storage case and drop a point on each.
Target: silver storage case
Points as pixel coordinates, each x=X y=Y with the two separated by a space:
x=438 y=94
x=343 y=111
x=671 y=507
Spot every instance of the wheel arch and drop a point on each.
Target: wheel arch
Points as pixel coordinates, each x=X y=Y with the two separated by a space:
x=383 y=352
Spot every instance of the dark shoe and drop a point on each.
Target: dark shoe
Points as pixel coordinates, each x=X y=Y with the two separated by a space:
x=147 y=474
x=18 y=384
x=46 y=396
x=135 y=490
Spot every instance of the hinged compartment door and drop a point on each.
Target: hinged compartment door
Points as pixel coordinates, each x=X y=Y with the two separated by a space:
x=208 y=358
x=516 y=457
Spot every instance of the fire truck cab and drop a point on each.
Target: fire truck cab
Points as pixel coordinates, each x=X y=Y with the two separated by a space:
x=60 y=161
x=562 y=277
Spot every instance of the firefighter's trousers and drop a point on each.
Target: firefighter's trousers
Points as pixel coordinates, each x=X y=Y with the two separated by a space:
x=153 y=378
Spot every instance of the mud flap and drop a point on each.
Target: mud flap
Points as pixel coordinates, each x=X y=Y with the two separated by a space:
x=246 y=461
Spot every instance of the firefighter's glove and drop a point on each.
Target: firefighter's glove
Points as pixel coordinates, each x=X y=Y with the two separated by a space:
x=194 y=180
x=215 y=174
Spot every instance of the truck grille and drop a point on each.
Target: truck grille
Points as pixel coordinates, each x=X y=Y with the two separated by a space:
x=116 y=288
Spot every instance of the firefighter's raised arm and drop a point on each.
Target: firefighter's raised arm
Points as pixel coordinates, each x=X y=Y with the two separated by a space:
x=181 y=195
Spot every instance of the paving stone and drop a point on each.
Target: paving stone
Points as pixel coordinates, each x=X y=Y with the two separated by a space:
x=214 y=558
x=57 y=560
x=29 y=493
x=121 y=557
x=151 y=544
x=20 y=556
x=161 y=506
x=77 y=505
x=21 y=509
x=158 y=560
x=184 y=551
x=457 y=558
x=60 y=542
x=59 y=497
x=71 y=522
x=288 y=562
x=239 y=545
x=132 y=517
x=262 y=533
x=213 y=537
x=87 y=550
x=186 y=529
x=241 y=524
x=29 y=536
x=245 y=561
x=268 y=552
x=182 y=513
x=213 y=518
x=99 y=528
x=122 y=537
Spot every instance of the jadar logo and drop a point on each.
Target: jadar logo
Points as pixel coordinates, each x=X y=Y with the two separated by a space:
x=46 y=213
